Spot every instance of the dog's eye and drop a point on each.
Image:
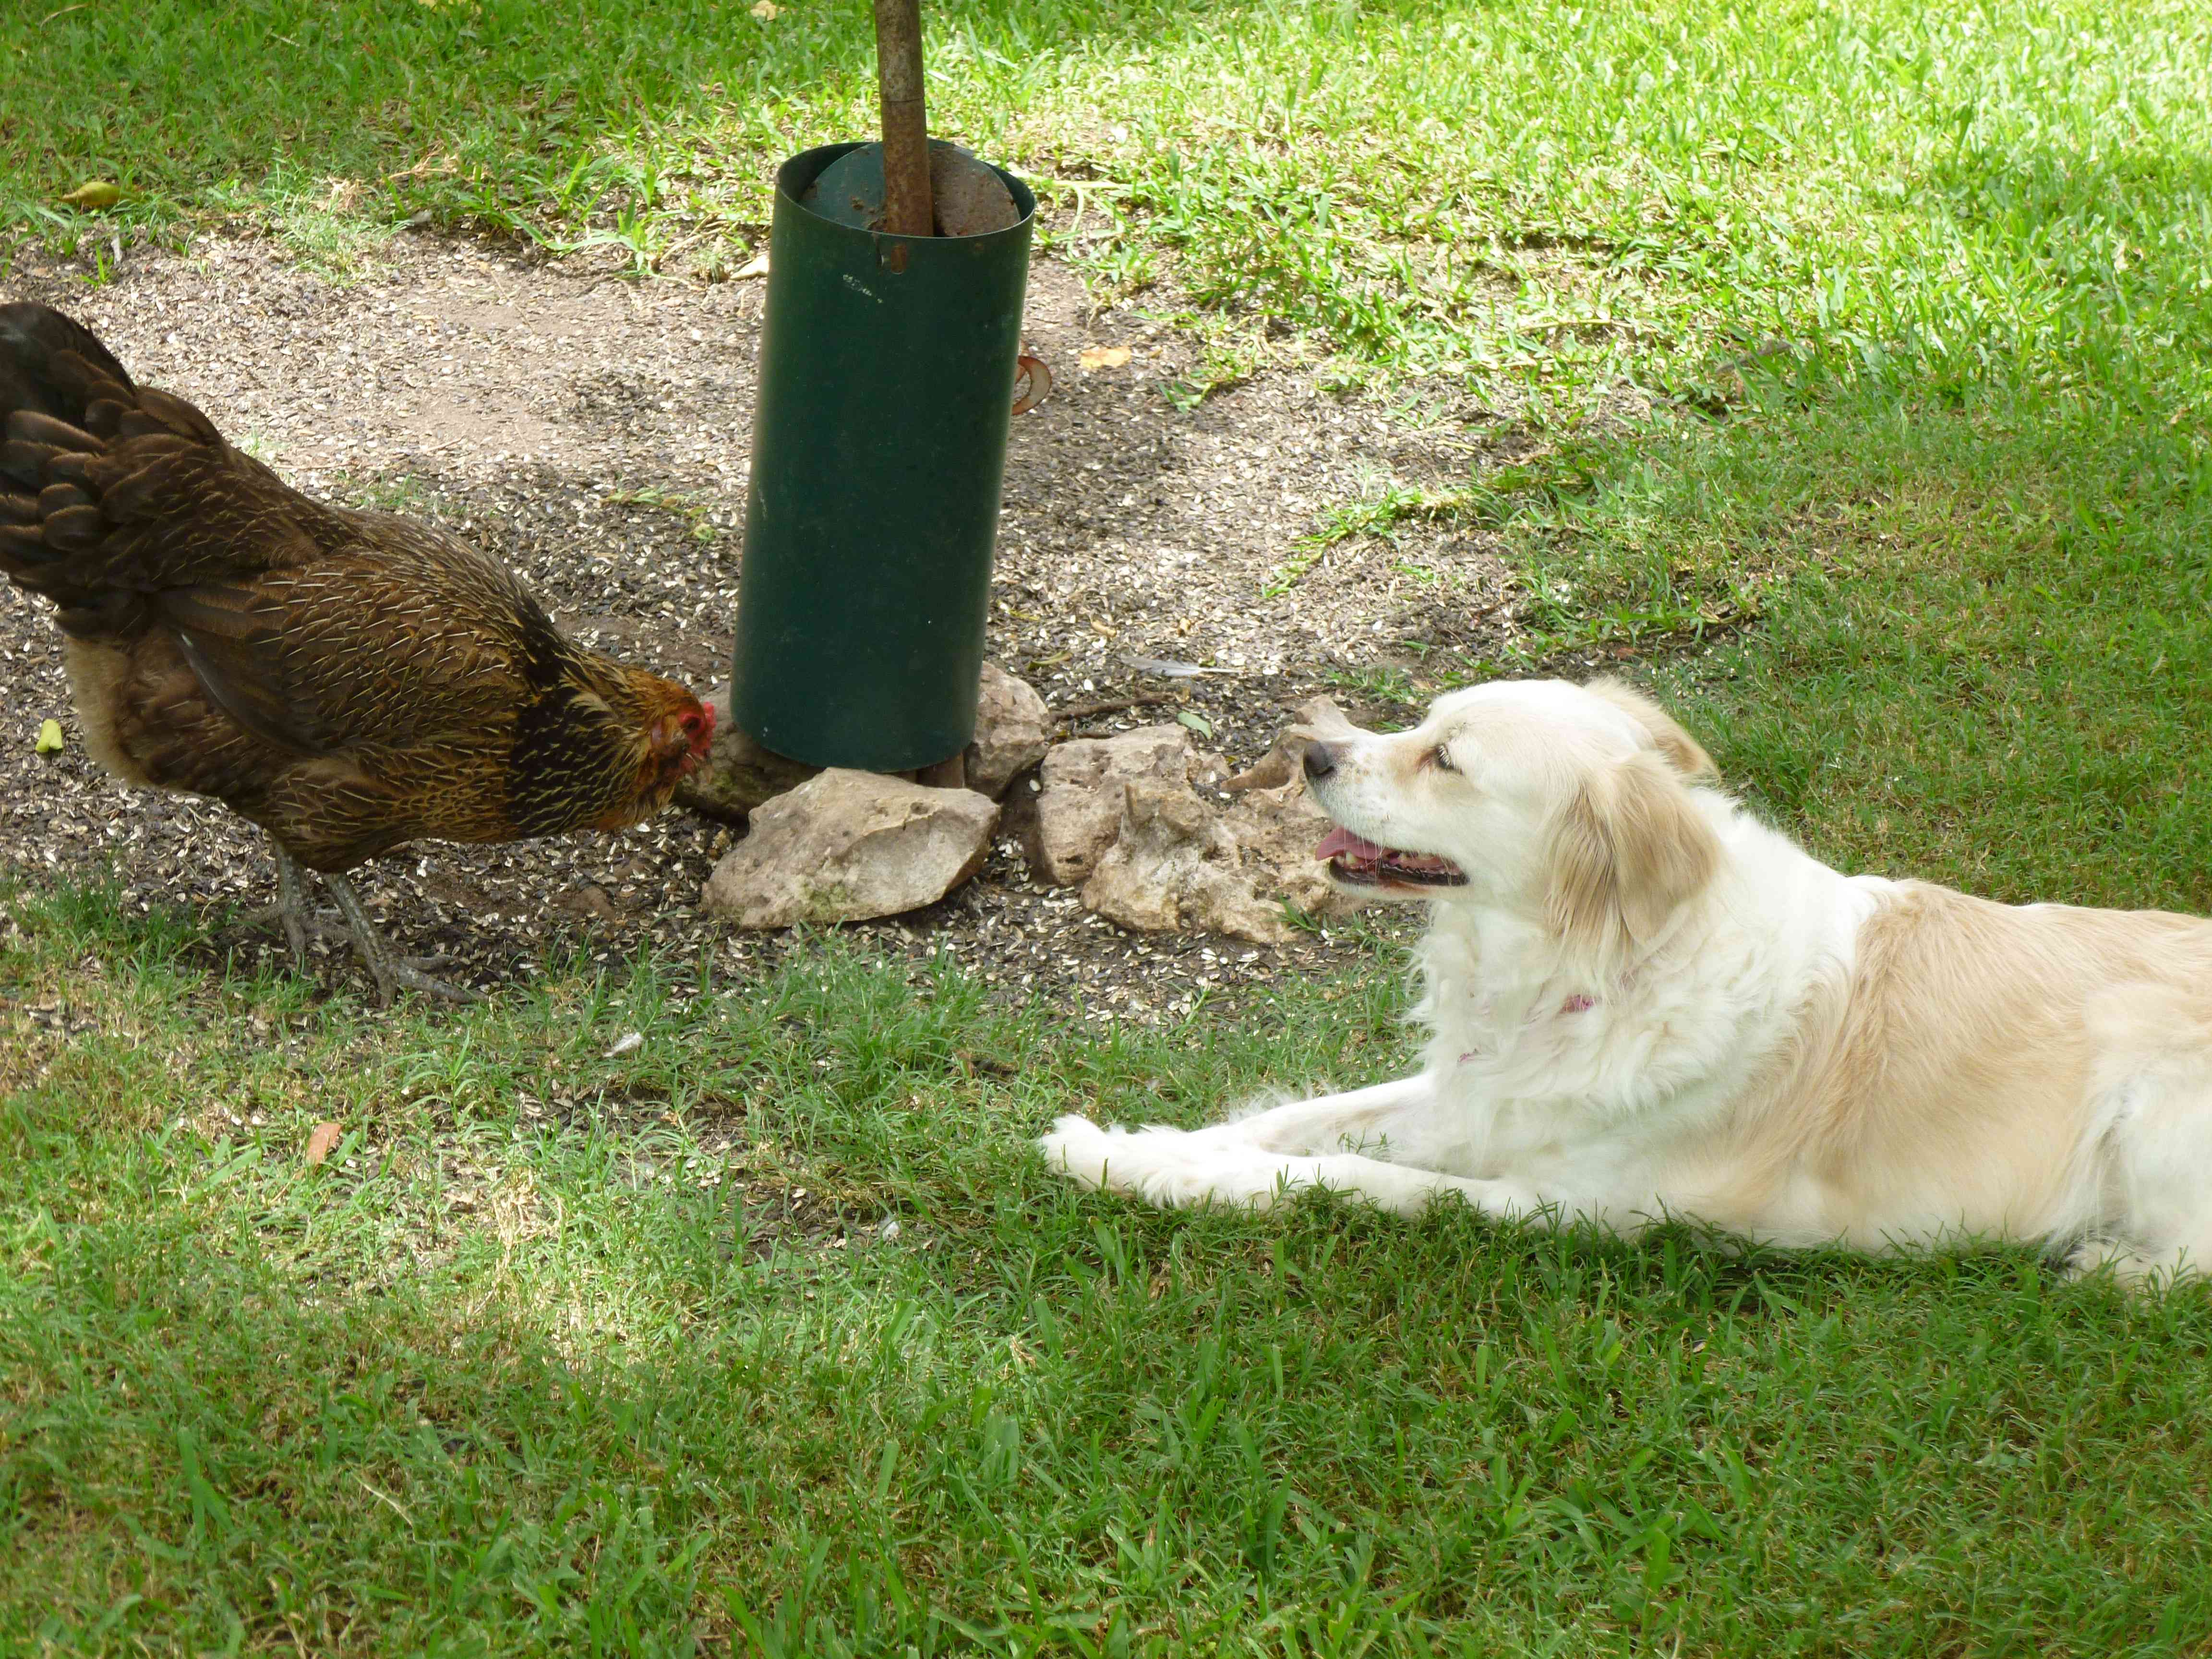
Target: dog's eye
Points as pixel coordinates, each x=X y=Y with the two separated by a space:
x=1442 y=759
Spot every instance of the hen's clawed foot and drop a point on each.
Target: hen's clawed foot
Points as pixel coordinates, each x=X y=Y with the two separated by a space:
x=292 y=912
x=295 y=911
x=392 y=972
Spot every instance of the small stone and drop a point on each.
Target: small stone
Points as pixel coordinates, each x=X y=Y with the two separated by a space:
x=1079 y=806
x=739 y=775
x=1013 y=731
x=848 y=846
x=1175 y=867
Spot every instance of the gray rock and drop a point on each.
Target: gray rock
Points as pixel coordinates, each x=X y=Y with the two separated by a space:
x=1175 y=867
x=739 y=775
x=846 y=846
x=1013 y=730
x=1079 y=800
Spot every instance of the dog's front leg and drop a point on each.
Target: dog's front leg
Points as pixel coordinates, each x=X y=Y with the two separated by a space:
x=1157 y=1158
x=1176 y=1168
x=1373 y=1121
x=1374 y=1143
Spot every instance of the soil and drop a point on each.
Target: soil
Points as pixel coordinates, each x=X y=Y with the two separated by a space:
x=593 y=431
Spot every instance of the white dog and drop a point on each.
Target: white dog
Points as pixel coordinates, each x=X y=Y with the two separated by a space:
x=1643 y=1003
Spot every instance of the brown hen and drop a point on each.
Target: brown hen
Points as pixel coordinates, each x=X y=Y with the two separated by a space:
x=348 y=681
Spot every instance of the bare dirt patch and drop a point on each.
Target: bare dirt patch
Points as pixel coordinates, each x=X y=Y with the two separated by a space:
x=594 y=432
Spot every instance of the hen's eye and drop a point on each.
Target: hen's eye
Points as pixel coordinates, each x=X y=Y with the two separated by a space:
x=1442 y=759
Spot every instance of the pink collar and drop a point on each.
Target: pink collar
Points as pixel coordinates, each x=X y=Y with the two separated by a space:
x=1580 y=1003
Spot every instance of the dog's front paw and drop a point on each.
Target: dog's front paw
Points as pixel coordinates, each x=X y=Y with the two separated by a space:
x=1151 y=1161
x=1076 y=1148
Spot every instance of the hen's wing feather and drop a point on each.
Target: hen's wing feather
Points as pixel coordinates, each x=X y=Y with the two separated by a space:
x=397 y=642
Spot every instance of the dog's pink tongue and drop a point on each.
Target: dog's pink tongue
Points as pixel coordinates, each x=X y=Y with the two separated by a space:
x=1343 y=841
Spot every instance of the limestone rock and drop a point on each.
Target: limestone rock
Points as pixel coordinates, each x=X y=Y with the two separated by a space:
x=1079 y=800
x=1175 y=867
x=739 y=775
x=1013 y=730
x=1276 y=831
x=1318 y=717
x=846 y=846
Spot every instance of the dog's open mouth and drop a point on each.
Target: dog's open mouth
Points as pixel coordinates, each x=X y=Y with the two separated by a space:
x=1362 y=863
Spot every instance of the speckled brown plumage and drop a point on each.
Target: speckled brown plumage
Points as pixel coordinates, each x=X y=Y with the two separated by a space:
x=348 y=680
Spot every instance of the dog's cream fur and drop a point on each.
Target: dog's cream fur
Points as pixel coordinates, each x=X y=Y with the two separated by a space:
x=1645 y=1003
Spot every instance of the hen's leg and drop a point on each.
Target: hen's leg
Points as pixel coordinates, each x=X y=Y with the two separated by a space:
x=293 y=910
x=292 y=907
x=390 y=970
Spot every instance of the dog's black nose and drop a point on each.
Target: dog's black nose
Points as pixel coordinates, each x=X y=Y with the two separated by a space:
x=1321 y=760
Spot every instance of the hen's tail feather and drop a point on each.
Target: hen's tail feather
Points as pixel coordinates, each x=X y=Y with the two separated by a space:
x=111 y=493
x=58 y=388
x=50 y=364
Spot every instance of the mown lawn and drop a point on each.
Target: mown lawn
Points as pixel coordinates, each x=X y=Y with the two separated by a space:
x=1866 y=347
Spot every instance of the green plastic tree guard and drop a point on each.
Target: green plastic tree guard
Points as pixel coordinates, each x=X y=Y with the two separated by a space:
x=880 y=444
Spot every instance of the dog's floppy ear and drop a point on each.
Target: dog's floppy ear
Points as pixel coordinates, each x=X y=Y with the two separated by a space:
x=1681 y=750
x=1630 y=851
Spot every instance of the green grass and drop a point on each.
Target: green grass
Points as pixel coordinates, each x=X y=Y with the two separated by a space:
x=507 y=1375
x=1860 y=357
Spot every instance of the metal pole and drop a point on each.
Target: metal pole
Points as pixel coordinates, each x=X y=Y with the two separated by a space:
x=907 y=210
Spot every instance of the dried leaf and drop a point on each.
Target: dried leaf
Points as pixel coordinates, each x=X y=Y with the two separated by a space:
x=49 y=741
x=1104 y=357
x=765 y=9
x=320 y=1143
x=94 y=194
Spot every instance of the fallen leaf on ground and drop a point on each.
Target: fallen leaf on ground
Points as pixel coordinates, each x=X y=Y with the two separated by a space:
x=94 y=193
x=1104 y=357
x=320 y=1143
x=765 y=9
x=50 y=740
x=756 y=266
